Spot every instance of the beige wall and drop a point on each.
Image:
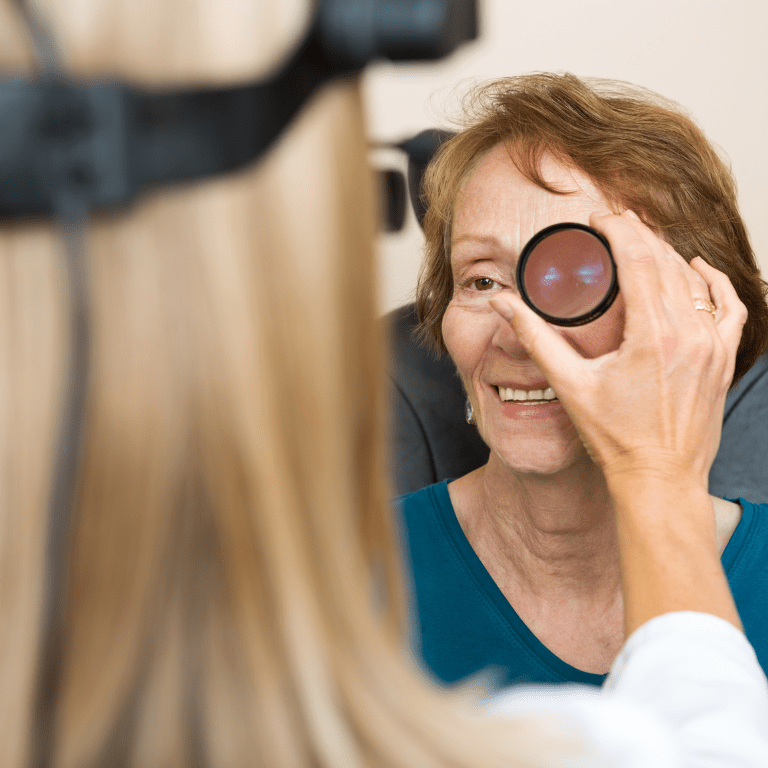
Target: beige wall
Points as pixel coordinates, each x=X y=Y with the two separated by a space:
x=709 y=55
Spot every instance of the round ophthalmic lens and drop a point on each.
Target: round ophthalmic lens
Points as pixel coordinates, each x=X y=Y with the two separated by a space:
x=566 y=274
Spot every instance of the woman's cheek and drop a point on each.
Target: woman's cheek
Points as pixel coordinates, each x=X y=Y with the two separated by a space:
x=468 y=328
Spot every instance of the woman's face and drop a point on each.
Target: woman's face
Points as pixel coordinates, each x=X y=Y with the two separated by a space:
x=497 y=212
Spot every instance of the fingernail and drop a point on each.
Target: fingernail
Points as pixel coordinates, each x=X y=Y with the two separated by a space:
x=502 y=308
x=632 y=214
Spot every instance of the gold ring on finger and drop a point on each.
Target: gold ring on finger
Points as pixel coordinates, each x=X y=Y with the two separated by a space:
x=706 y=305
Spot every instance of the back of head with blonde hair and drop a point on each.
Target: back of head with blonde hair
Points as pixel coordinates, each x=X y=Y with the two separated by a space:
x=231 y=527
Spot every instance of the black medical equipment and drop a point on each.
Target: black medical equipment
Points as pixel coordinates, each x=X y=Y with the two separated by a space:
x=105 y=142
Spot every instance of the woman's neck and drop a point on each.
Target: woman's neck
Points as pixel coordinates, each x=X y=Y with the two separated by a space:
x=553 y=535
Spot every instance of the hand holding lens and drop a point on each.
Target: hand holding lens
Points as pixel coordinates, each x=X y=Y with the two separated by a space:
x=566 y=274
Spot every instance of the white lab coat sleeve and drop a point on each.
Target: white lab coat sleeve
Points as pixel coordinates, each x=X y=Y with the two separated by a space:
x=686 y=691
x=700 y=676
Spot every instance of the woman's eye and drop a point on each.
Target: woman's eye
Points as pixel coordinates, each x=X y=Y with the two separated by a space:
x=484 y=284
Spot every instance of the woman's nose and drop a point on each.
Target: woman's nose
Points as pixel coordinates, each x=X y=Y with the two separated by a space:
x=505 y=339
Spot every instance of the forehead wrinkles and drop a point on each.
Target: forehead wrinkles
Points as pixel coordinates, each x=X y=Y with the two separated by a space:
x=458 y=199
x=496 y=193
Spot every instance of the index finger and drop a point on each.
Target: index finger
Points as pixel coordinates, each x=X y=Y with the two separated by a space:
x=637 y=268
x=560 y=363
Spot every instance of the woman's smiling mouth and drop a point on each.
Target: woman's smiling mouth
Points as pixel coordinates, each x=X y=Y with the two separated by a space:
x=526 y=404
x=507 y=394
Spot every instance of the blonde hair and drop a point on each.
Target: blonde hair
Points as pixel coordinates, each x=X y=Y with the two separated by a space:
x=234 y=594
x=641 y=150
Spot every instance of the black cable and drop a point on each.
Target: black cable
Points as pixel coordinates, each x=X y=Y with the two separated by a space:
x=64 y=487
x=71 y=211
x=48 y=54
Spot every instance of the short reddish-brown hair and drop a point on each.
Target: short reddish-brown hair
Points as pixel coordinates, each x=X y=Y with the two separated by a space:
x=642 y=151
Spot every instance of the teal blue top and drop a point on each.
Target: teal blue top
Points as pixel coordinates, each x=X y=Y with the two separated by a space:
x=465 y=624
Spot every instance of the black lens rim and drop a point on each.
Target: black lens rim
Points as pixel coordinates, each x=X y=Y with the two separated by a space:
x=593 y=314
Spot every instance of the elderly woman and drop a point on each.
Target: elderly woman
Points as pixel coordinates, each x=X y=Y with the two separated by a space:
x=516 y=565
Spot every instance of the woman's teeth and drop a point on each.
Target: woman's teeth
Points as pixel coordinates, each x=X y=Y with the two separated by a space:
x=526 y=395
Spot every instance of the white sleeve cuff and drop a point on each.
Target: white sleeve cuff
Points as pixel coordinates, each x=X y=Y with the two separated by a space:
x=701 y=676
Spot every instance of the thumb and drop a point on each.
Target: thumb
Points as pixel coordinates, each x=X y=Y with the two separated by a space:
x=557 y=360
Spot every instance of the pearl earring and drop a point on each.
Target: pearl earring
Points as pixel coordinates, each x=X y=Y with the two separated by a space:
x=469 y=414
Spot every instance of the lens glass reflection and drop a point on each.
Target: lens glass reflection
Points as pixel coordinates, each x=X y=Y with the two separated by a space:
x=568 y=273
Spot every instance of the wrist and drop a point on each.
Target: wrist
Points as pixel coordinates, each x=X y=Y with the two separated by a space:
x=656 y=467
x=681 y=508
x=669 y=551
x=646 y=483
